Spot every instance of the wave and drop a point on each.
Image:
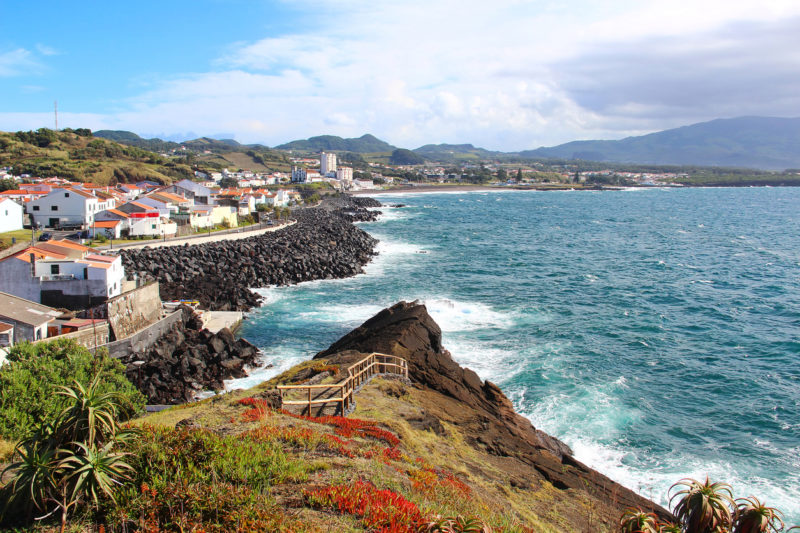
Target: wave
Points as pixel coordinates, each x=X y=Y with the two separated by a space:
x=454 y=315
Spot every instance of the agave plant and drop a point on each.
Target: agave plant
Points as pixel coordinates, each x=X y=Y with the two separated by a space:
x=703 y=507
x=70 y=461
x=638 y=521
x=92 y=417
x=752 y=516
x=669 y=527
x=33 y=479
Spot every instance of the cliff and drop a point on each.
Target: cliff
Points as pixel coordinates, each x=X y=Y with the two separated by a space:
x=481 y=410
x=439 y=445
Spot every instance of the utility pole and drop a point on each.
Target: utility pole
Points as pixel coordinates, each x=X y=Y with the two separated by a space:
x=55 y=106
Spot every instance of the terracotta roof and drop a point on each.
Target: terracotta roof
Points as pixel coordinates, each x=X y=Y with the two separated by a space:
x=5 y=327
x=95 y=264
x=105 y=223
x=123 y=214
x=38 y=253
x=103 y=258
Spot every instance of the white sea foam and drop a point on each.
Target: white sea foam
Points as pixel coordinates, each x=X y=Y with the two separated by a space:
x=454 y=315
x=490 y=363
x=281 y=358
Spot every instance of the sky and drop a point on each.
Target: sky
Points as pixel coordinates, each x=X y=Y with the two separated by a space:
x=503 y=74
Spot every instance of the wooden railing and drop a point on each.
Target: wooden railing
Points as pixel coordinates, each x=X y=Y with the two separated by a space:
x=342 y=392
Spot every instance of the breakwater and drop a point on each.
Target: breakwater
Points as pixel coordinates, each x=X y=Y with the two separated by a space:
x=323 y=244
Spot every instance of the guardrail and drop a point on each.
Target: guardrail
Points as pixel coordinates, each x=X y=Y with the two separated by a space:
x=357 y=374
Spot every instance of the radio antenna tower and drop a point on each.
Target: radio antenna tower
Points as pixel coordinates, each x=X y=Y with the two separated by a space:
x=55 y=104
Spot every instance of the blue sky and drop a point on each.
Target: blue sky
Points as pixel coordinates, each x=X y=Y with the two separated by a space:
x=507 y=74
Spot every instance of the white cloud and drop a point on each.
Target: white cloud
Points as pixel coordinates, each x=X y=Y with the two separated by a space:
x=18 y=62
x=506 y=74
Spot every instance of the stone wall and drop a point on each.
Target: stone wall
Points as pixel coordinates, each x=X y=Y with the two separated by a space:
x=144 y=339
x=99 y=334
x=134 y=310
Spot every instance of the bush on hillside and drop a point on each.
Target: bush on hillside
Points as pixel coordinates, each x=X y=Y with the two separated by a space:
x=28 y=383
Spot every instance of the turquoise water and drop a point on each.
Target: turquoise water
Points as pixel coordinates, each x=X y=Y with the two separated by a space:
x=657 y=332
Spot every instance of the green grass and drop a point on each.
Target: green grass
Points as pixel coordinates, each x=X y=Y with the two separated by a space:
x=22 y=235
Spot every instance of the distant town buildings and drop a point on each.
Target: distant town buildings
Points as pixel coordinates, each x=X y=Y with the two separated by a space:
x=327 y=164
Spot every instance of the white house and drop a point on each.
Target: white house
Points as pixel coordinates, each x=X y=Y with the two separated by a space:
x=11 y=214
x=62 y=207
x=108 y=228
x=62 y=274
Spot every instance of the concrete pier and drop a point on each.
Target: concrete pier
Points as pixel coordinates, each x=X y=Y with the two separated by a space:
x=216 y=320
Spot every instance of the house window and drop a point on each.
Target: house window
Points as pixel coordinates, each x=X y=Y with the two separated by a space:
x=36 y=208
x=55 y=269
x=53 y=208
x=6 y=212
x=154 y=226
x=66 y=195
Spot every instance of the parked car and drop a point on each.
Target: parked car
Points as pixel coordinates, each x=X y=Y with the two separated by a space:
x=45 y=237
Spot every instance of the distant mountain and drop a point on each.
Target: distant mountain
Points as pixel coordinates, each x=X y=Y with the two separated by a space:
x=362 y=145
x=751 y=142
x=453 y=152
x=131 y=139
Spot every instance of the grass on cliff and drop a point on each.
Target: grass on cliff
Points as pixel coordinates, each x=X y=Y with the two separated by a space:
x=230 y=463
x=440 y=475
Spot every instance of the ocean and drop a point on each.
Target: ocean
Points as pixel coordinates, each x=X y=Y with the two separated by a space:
x=655 y=331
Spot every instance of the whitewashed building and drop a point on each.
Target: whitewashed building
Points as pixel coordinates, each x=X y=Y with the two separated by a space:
x=63 y=207
x=11 y=214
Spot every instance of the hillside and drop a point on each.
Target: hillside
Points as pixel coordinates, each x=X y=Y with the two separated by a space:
x=453 y=152
x=365 y=144
x=751 y=142
x=77 y=155
x=131 y=139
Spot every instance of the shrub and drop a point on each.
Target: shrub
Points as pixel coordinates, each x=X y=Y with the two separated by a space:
x=69 y=460
x=34 y=373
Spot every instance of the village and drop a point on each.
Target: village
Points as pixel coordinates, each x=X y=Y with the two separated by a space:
x=67 y=279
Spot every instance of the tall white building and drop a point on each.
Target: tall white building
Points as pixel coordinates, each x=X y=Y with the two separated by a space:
x=327 y=164
x=344 y=173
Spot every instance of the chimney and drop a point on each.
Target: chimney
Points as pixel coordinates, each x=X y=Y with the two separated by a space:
x=33 y=265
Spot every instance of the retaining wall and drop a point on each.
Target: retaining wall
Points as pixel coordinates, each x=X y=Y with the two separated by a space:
x=144 y=339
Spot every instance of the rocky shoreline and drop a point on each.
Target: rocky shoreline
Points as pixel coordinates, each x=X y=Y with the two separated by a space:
x=187 y=360
x=323 y=244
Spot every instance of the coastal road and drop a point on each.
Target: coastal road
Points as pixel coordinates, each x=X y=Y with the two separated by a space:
x=205 y=238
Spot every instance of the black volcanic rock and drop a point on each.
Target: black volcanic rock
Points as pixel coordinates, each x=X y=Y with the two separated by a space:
x=323 y=244
x=485 y=415
x=187 y=360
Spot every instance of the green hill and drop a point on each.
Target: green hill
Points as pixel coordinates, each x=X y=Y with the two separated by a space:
x=77 y=155
x=750 y=142
x=452 y=152
x=131 y=139
x=365 y=144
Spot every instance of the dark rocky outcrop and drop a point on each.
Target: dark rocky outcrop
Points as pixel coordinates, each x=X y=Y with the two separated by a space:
x=323 y=244
x=188 y=359
x=483 y=412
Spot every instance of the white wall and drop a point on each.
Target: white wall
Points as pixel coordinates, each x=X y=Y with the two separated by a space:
x=10 y=216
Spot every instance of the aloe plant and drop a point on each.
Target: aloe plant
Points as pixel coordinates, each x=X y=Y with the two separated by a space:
x=703 y=507
x=752 y=516
x=638 y=521
x=70 y=461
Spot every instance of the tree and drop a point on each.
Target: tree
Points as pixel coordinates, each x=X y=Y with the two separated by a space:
x=228 y=183
x=519 y=174
x=502 y=175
